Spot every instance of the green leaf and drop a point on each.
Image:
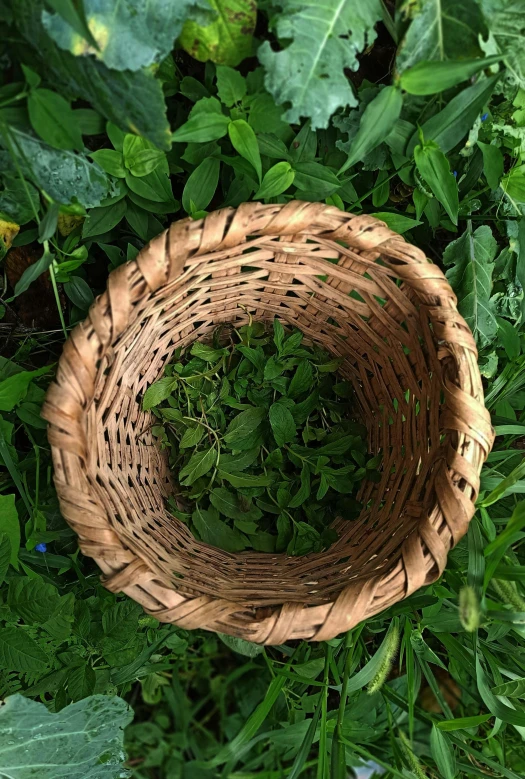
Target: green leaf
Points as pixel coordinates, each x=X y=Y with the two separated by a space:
x=441 y=30
x=276 y=180
x=53 y=120
x=449 y=126
x=227 y=40
x=14 y=388
x=5 y=553
x=103 y=219
x=48 y=225
x=82 y=741
x=316 y=178
x=30 y=274
x=471 y=261
x=212 y=530
x=32 y=599
x=244 y=142
x=513 y=184
x=63 y=174
x=397 y=222
x=20 y=201
x=233 y=463
x=492 y=164
x=205 y=123
x=435 y=170
x=120 y=621
x=111 y=161
x=201 y=185
x=198 y=465
x=18 y=652
x=283 y=424
x=158 y=392
x=461 y=723
x=231 y=86
x=506 y=21
x=192 y=436
x=130 y=35
x=79 y=292
x=512 y=689
x=229 y=505
x=442 y=753
x=301 y=380
x=238 y=480
x=309 y=74
x=131 y=100
x=244 y=423
x=10 y=526
x=242 y=647
x=427 y=78
x=303 y=493
x=81 y=681
x=378 y=118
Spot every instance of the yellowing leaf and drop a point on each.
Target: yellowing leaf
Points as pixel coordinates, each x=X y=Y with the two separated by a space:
x=227 y=40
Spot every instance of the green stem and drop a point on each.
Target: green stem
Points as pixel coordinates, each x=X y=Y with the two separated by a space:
x=57 y=298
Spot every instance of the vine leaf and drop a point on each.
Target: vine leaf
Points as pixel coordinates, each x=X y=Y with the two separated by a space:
x=326 y=38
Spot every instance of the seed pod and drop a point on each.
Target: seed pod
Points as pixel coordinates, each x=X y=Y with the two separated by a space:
x=469 y=610
x=391 y=647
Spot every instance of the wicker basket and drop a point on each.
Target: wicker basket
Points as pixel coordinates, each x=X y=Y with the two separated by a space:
x=409 y=354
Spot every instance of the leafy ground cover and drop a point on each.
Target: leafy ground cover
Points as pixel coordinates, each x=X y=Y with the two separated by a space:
x=115 y=119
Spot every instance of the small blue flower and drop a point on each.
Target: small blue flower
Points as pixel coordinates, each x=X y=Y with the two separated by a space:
x=455 y=174
x=484 y=116
x=41 y=548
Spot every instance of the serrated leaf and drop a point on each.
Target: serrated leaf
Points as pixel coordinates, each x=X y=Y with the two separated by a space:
x=130 y=35
x=18 y=652
x=198 y=465
x=158 y=392
x=192 y=436
x=10 y=526
x=81 y=681
x=120 y=621
x=283 y=424
x=227 y=39
x=301 y=380
x=471 y=258
x=309 y=73
x=32 y=599
x=233 y=463
x=82 y=741
x=5 y=555
x=244 y=423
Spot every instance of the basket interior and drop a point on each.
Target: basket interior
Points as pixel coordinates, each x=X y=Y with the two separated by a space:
x=346 y=301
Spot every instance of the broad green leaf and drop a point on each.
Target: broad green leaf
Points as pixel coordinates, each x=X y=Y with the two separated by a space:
x=513 y=689
x=120 y=621
x=492 y=163
x=471 y=261
x=231 y=86
x=461 y=723
x=283 y=424
x=192 y=436
x=21 y=202
x=19 y=652
x=233 y=463
x=244 y=423
x=79 y=292
x=198 y=465
x=497 y=707
x=130 y=35
x=244 y=142
x=443 y=753
x=206 y=122
x=227 y=39
x=14 y=388
x=32 y=599
x=379 y=116
x=214 y=531
x=111 y=161
x=397 y=222
x=513 y=185
x=201 y=185
x=81 y=681
x=10 y=526
x=276 y=180
x=441 y=30
x=82 y=741
x=303 y=493
x=506 y=21
x=325 y=39
x=301 y=380
x=427 y=78
x=158 y=392
x=53 y=120
x=435 y=170
x=450 y=125
x=133 y=101
x=63 y=174
x=103 y=219
x=230 y=505
x=316 y=178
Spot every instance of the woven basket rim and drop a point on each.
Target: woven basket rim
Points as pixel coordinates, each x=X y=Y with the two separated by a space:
x=159 y=265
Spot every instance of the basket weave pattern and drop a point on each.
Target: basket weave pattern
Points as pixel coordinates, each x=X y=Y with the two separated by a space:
x=409 y=354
